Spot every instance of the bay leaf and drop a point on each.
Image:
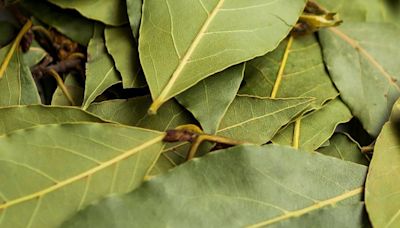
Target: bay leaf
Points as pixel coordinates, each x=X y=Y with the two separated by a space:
x=302 y=72
x=315 y=127
x=67 y=22
x=102 y=159
x=209 y=100
x=123 y=49
x=364 y=66
x=343 y=147
x=34 y=55
x=134 y=8
x=74 y=89
x=133 y=112
x=100 y=70
x=357 y=10
x=244 y=186
x=110 y=12
x=17 y=86
x=27 y=116
x=257 y=120
x=184 y=41
x=382 y=188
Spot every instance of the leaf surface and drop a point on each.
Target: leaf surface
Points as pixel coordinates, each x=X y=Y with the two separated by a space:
x=123 y=49
x=22 y=117
x=364 y=66
x=315 y=127
x=209 y=100
x=179 y=47
x=78 y=28
x=101 y=158
x=34 y=55
x=250 y=186
x=110 y=12
x=100 y=70
x=17 y=86
x=257 y=120
x=345 y=148
x=302 y=74
x=382 y=188
x=74 y=89
x=134 y=8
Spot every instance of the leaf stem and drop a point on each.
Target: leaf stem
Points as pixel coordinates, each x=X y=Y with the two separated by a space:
x=296 y=133
x=62 y=86
x=282 y=68
x=14 y=46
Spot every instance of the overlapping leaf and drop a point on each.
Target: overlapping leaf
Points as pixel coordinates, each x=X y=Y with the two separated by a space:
x=34 y=55
x=345 y=148
x=249 y=186
x=364 y=67
x=209 y=100
x=299 y=64
x=315 y=127
x=179 y=47
x=100 y=70
x=382 y=193
x=123 y=49
x=16 y=84
x=78 y=28
x=134 y=8
x=110 y=12
x=101 y=158
x=74 y=90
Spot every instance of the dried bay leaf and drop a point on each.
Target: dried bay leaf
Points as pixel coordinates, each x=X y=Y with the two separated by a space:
x=110 y=12
x=123 y=49
x=180 y=47
x=67 y=22
x=252 y=186
x=257 y=120
x=17 y=86
x=133 y=112
x=209 y=100
x=101 y=159
x=364 y=66
x=27 y=116
x=303 y=73
x=134 y=8
x=345 y=148
x=100 y=70
x=34 y=55
x=74 y=89
x=382 y=194
x=315 y=127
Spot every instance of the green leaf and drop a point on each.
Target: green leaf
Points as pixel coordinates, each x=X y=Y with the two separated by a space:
x=110 y=12
x=123 y=48
x=74 y=89
x=382 y=188
x=133 y=112
x=241 y=186
x=302 y=74
x=22 y=117
x=134 y=8
x=315 y=127
x=209 y=100
x=357 y=10
x=364 y=67
x=100 y=70
x=59 y=169
x=257 y=120
x=17 y=86
x=68 y=22
x=34 y=55
x=179 y=47
x=345 y=148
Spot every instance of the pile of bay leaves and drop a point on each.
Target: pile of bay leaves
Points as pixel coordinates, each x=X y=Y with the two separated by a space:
x=199 y=113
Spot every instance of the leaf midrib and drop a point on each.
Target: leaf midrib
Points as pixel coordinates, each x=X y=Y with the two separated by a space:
x=83 y=175
x=313 y=207
x=183 y=62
